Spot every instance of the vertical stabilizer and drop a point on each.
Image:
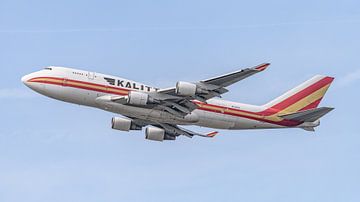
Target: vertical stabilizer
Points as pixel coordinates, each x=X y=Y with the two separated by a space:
x=306 y=96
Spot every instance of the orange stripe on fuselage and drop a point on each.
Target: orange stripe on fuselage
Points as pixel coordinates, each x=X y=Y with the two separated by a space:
x=202 y=106
x=246 y=114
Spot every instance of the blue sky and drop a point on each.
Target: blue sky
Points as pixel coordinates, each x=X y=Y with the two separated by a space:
x=53 y=151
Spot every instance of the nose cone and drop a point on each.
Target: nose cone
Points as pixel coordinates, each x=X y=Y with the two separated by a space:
x=25 y=79
x=29 y=81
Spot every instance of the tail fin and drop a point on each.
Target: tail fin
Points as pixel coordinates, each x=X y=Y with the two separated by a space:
x=306 y=96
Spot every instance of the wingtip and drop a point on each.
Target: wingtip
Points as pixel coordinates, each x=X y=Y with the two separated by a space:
x=212 y=134
x=262 y=67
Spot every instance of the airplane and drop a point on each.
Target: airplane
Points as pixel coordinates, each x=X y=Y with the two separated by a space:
x=165 y=112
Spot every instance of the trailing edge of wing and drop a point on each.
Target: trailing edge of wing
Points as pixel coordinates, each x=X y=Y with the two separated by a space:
x=308 y=115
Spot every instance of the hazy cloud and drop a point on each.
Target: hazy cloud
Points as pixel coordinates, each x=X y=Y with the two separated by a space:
x=18 y=93
x=161 y=28
x=349 y=78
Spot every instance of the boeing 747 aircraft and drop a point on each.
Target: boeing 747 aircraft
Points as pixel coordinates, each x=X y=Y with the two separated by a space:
x=164 y=111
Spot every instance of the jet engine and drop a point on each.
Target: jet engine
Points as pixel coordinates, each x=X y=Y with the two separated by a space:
x=137 y=98
x=188 y=89
x=157 y=134
x=122 y=124
x=185 y=88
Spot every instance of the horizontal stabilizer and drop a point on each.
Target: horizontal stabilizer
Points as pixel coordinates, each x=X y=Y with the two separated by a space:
x=311 y=129
x=310 y=115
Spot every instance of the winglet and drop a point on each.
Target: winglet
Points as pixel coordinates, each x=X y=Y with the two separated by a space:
x=211 y=134
x=262 y=67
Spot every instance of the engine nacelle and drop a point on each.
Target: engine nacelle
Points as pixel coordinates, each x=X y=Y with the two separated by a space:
x=137 y=98
x=122 y=124
x=157 y=134
x=185 y=88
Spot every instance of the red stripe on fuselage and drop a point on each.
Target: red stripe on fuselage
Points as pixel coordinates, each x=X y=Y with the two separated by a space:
x=283 y=122
x=65 y=82
x=287 y=123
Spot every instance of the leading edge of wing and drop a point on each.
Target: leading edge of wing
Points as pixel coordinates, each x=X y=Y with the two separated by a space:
x=233 y=77
x=226 y=79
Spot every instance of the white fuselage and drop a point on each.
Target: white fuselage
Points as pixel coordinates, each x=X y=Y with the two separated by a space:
x=91 y=89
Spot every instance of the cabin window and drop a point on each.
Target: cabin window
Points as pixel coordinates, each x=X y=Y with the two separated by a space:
x=78 y=73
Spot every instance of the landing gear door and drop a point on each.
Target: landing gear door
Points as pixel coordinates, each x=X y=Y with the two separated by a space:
x=91 y=75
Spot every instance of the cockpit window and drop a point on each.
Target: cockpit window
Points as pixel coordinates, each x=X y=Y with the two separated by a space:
x=48 y=68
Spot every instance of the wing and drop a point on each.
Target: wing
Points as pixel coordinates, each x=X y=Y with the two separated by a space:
x=215 y=86
x=176 y=131
x=231 y=78
x=171 y=131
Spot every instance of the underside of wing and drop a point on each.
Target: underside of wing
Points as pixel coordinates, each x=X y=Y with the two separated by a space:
x=156 y=131
x=170 y=132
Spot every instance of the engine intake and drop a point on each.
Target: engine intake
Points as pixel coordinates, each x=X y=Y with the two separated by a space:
x=157 y=134
x=122 y=124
